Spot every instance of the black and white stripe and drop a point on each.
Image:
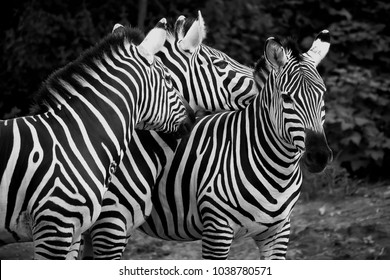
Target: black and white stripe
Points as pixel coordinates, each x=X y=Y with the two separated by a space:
x=209 y=80
x=238 y=174
x=55 y=165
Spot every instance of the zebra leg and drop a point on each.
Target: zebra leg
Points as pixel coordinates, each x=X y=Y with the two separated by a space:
x=86 y=248
x=57 y=231
x=109 y=237
x=54 y=242
x=112 y=230
x=75 y=248
x=217 y=238
x=101 y=250
x=275 y=246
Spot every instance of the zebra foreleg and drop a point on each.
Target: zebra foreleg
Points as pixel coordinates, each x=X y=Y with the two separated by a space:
x=54 y=242
x=216 y=240
x=86 y=248
x=74 y=248
x=102 y=246
x=274 y=247
x=109 y=239
x=57 y=230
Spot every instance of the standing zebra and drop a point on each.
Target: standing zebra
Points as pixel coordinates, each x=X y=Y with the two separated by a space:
x=56 y=164
x=209 y=80
x=238 y=173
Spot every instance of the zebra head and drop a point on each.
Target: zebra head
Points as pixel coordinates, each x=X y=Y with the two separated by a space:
x=294 y=94
x=208 y=79
x=165 y=110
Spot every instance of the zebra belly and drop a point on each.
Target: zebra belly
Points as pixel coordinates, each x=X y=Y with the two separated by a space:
x=170 y=236
x=256 y=230
x=157 y=228
x=179 y=230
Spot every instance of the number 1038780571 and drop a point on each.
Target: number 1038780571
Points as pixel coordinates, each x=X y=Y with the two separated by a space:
x=241 y=270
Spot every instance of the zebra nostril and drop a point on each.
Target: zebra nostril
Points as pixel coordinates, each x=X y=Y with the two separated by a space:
x=318 y=157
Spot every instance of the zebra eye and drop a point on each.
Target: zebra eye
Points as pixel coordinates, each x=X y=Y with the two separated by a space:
x=168 y=77
x=286 y=97
x=220 y=63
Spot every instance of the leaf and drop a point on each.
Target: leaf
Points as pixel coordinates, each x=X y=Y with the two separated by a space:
x=346 y=125
x=355 y=138
x=361 y=121
x=342 y=12
x=376 y=155
x=371 y=131
x=386 y=143
x=357 y=164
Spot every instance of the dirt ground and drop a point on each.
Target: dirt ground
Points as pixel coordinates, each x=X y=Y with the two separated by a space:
x=354 y=226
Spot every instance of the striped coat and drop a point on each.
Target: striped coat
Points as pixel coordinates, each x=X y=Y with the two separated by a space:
x=55 y=165
x=209 y=80
x=238 y=174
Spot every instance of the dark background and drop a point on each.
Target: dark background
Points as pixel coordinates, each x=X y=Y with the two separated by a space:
x=39 y=36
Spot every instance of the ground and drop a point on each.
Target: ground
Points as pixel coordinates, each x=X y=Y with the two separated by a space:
x=352 y=224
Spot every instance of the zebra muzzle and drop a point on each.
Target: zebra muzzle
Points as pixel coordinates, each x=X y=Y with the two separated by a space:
x=187 y=124
x=317 y=154
x=184 y=128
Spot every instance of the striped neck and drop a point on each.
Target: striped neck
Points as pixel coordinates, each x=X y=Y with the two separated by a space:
x=207 y=78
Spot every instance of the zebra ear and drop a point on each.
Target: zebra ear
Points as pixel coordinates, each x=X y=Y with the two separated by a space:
x=178 y=29
x=154 y=41
x=194 y=36
x=118 y=28
x=320 y=47
x=274 y=53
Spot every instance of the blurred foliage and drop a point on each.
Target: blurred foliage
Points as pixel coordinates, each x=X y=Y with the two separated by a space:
x=39 y=36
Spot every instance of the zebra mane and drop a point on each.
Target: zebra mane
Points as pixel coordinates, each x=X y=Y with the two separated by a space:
x=292 y=47
x=260 y=72
x=43 y=100
x=173 y=31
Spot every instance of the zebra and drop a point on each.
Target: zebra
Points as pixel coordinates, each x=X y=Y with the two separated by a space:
x=238 y=174
x=210 y=81
x=56 y=164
